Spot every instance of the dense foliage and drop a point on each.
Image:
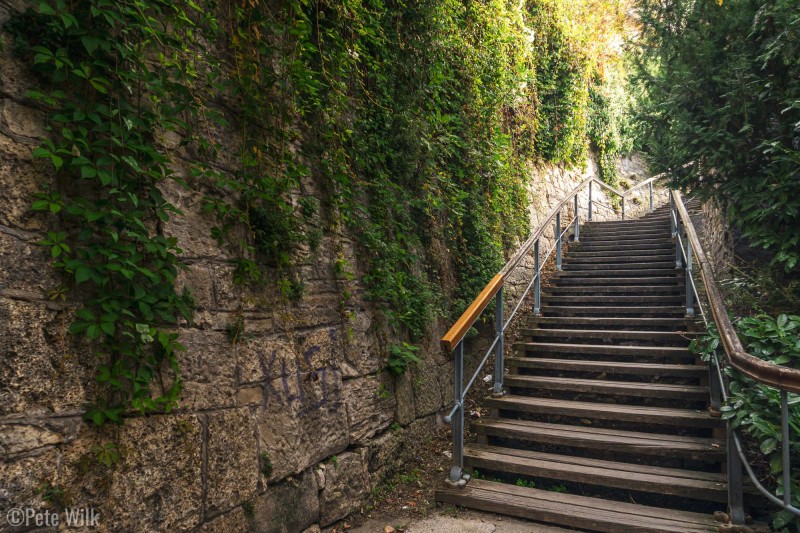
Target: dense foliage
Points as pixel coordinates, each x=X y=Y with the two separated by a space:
x=720 y=84
x=755 y=408
x=418 y=122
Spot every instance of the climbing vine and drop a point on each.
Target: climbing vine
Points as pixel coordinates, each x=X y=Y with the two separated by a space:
x=106 y=98
x=416 y=123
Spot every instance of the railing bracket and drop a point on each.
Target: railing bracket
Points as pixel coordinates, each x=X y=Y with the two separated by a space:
x=461 y=479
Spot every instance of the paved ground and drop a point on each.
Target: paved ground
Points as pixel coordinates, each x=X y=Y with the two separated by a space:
x=465 y=522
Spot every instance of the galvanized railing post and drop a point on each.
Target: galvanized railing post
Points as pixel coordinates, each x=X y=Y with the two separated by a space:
x=673 y=215
x=650 y=185
x=785 y=447
x=689 y=289
x=577 y=224
x=678 y=262
x=735 y=492
x=499 y=366
x=623 y=208
x=590 y=202
x=558 y=240
x=715 y=387
x=537 y=296
x=457 y=477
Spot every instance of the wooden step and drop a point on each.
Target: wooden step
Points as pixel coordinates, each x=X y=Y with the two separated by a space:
x=602 y=439
x=673 y=279
x=571 y=510
x=604 y=299
x=639 y=252
x=605 y=411
x=623 y=273
x=613 y=311
x=565 y=289
x=664 y=391
x=645 y=229
x=588 y=246
x=675 y=324
x=609 y=266
x=603 y=349
x=588 y=235
x=630 y=223
x=634 y=238
x=638 y=477
x=620 y=259
x=618 y=368
x=668 y=336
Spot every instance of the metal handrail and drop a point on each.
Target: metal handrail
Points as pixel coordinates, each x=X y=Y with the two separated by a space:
x=782 y=378
x=453 y=340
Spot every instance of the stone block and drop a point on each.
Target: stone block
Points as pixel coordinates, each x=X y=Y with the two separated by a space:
x=360 y=350
x=21 y=482
x=287 y=507
x=232 y=472
x=347 y=486
x=22 y=177
x=270 y=357
x=22 y=120
x=404 y=394
x=24 y=266
x=427 y=391
x=370 y=406
x=386 y=450
x=197 y=278
x=157 y=484
x=301 y=420
x=208 y=370
x=193 y=227
x=43 y=368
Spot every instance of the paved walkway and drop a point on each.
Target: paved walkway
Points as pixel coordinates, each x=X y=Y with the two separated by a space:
x=465 y=522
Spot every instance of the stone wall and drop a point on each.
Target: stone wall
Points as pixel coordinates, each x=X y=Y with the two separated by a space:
x=289 y=427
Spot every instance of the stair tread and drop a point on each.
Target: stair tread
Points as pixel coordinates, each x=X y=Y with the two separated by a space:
x=638 y=272
x=638 y=321
x=618 y=333
x=606 y=411
x=603 y=386
x=632 y=476
x=657 y=351
x=601 y=438
x=580 y=280
x=618 y=367
x=618 y=299
x=662 y=265
x=615 y=311
x=573 y=510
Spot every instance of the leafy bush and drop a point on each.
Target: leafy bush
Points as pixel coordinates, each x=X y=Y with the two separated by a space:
x=755 y=408
x=720 y=89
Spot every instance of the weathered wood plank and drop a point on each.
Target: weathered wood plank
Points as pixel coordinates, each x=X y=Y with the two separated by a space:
x=575 y=511
x=589 y=437
x=603 y=411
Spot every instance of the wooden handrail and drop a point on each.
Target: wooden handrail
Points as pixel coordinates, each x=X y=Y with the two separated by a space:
x=781 y=377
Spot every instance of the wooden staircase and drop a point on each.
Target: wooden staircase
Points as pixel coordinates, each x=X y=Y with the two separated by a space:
x=604 y=427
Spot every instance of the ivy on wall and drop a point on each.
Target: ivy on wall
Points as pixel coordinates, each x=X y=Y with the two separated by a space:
x=418 y=120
